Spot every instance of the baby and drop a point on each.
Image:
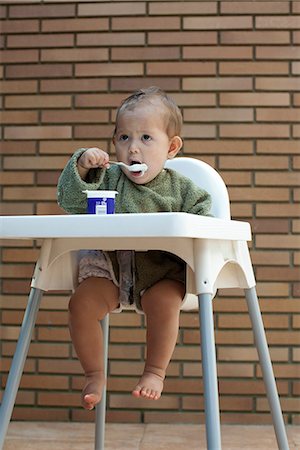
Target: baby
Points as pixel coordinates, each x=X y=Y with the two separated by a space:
x=147 y=131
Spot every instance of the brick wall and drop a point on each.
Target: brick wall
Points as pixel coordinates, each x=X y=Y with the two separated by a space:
x=233 y=68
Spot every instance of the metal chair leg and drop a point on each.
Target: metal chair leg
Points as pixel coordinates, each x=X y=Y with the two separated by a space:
x=266 y=367
x=101 y=407
x=209 y=365
x=18 y=361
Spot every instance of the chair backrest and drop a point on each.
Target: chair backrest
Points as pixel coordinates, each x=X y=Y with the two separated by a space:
x=206 y=177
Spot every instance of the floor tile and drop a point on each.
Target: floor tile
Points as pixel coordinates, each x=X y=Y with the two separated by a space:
x=80 y=436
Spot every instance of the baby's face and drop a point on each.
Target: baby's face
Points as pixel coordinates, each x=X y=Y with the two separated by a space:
x=141 y=137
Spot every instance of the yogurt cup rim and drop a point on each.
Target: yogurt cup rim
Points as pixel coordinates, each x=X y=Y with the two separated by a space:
x=101 y=194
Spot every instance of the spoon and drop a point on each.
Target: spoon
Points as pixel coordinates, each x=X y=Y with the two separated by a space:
x=133 y=168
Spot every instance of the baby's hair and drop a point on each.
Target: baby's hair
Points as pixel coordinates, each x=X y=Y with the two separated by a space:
x=154 y=95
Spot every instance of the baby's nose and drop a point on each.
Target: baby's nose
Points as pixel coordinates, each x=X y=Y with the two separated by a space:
x=133 y=148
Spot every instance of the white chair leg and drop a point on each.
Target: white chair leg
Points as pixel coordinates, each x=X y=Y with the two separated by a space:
x=101 y=407
x=266 y=367
x=209 y=366
x=18 y=361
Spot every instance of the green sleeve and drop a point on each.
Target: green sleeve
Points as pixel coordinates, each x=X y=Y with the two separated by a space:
x=70 y=185
x=196 y=200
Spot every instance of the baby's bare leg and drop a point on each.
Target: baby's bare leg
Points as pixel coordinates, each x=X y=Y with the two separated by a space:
x=161 y=305
x=92 y=300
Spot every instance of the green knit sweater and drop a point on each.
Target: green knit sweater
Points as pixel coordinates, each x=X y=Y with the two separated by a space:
x=168 y=192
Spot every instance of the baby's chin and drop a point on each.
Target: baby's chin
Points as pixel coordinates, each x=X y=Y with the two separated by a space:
x=139 y=177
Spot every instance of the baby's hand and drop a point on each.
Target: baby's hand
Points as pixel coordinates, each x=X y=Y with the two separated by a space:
x=92 y=158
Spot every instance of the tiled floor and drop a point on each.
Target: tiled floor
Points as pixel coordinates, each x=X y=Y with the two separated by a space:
x=80 y=436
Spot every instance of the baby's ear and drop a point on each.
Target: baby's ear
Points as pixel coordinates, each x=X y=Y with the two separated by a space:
x=175 y=146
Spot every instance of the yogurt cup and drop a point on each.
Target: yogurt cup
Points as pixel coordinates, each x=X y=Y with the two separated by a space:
x=101 y=202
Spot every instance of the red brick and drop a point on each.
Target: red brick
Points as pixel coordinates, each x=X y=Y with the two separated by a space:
x=93 y=131
x=145 y=54
x=296 y=68
x=219 y=84
x=218 y=115
x=64 y=24
x=107 y=9
x=19 y=117
x=19 y=26
x=276 y=52
x=38 y=71
x=270 y=226
x=224 y=52
x=253 y=130
x=277 y=147
x=194 y=99
x=61 y=147
x=73 y=85
x=73 y=116
x=277 y=84
x=25 y=255
x=296 y=131
x=278 y=273
x=254 y=162
x=131 y=83
x=48 y=208
x=221 y=147
x=296 y=37
x=278 y=210
x=13 y=87
x=259 y=194
x=39 y=40
x=31 y=193
x=18 y=56
x=98 y=100
x=34 y=414
x=255 y=68
x=17 y=148
x=182 y=38
x=199 y=131
x=38 y=101
x=25 y=11
x=146 y=23
x=10 y=209
x=248 y=7
x=37 y=132
x=75 y=54
x=278 y=115
x=181 y=68
x=254 y=99
x=254 y=37
x=217 y=23
x=276 y=179
x=110 y=39
x=34 y=163
x=277 y=22
x=110 y=69
x=202 y=8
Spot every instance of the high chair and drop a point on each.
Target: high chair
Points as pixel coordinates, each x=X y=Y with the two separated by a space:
x=216 y=254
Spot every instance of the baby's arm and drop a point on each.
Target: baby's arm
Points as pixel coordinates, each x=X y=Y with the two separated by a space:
x=92 y=158
x=71 y=183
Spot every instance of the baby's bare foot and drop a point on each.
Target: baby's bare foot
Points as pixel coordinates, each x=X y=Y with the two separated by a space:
x=92 y=391
x=150 y=386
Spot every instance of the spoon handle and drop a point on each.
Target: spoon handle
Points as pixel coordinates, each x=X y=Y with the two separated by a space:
x=118 y=163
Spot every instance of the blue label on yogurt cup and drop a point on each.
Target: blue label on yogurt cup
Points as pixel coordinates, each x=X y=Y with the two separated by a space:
x=101 y=202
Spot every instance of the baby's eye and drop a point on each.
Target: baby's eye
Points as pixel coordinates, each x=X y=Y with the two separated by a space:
x=146 y=137
x=123 y=137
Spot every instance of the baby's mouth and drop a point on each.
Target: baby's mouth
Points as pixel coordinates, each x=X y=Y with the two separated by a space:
x=135 y=168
